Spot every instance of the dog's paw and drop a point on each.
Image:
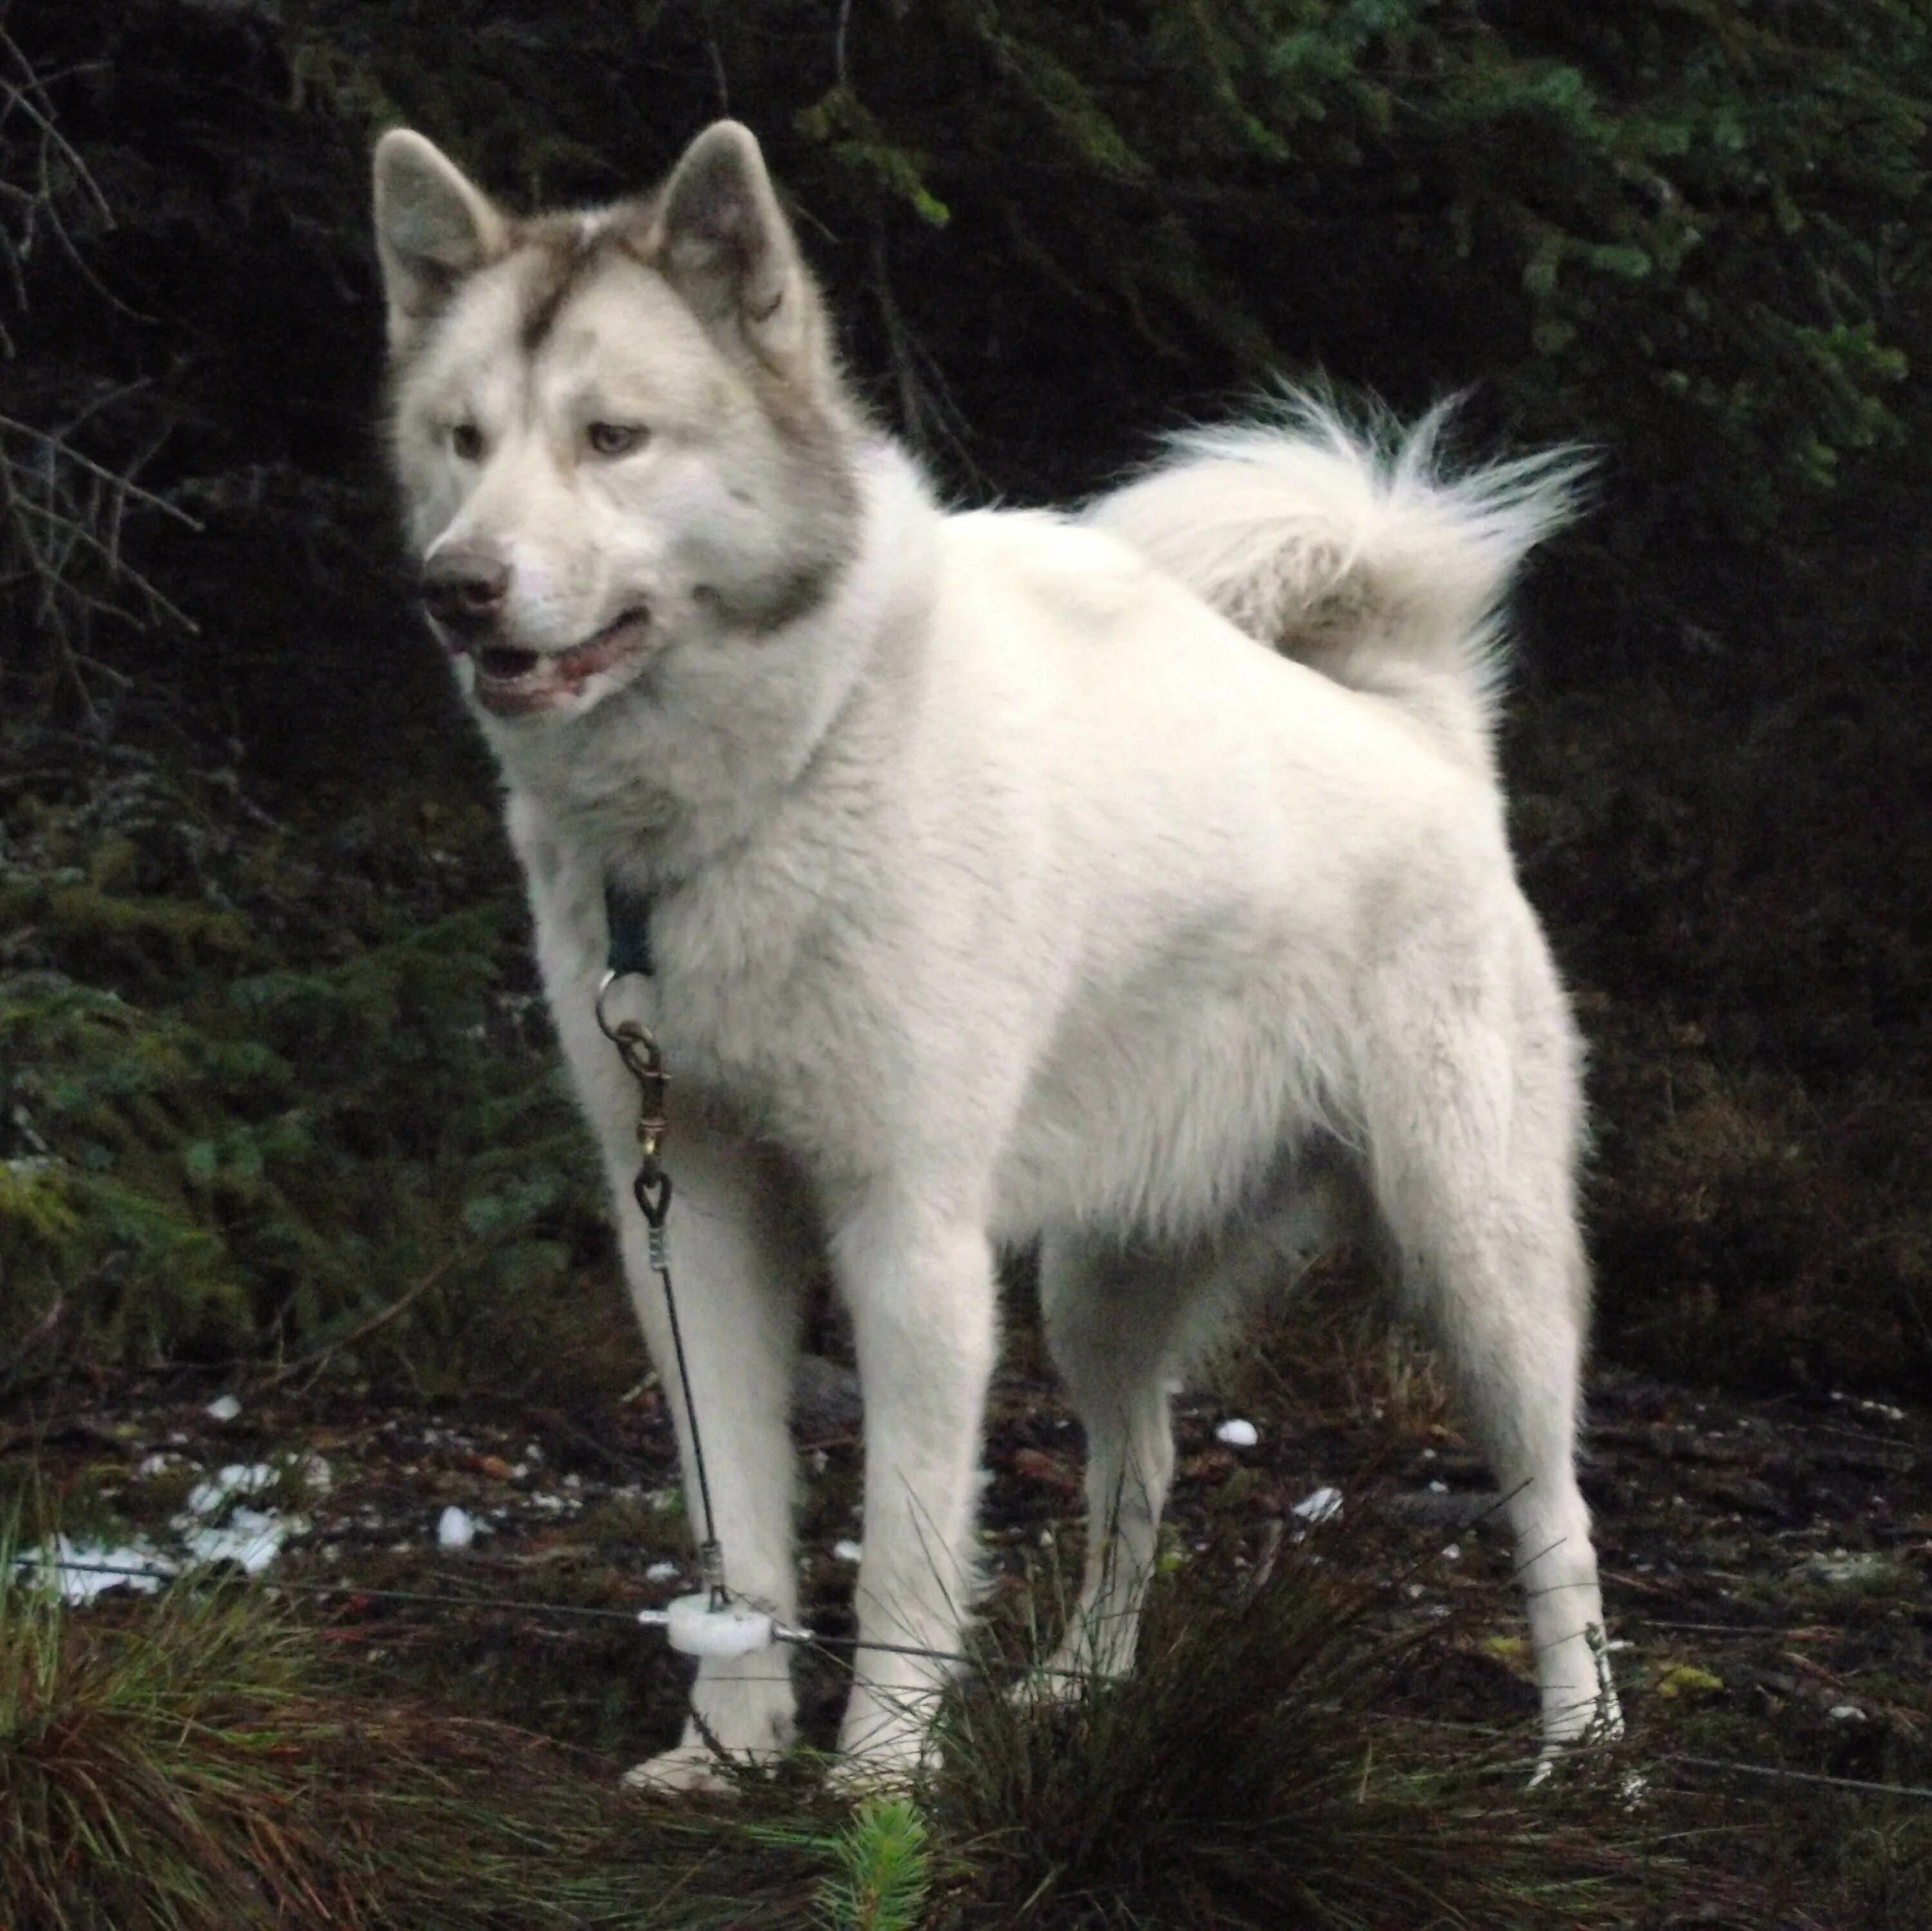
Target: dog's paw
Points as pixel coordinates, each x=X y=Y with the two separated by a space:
x=692 y=1769
x=1054 y=1685
x=883 y=1744
x=876 y=1774
x=1584 y=1748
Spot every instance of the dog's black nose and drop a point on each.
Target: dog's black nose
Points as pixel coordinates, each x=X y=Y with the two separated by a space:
x=465 y=588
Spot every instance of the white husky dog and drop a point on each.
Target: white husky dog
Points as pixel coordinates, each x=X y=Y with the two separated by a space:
x=1135 y=884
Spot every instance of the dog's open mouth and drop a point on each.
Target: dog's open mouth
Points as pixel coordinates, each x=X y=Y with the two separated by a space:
x=513 y=682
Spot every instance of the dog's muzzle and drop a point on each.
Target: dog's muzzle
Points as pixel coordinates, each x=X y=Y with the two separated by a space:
x=465 y=589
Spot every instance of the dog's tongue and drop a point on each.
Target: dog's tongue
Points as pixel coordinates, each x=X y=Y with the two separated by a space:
x=599 y=652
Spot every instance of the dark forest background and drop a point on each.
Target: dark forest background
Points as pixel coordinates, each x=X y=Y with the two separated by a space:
x=270 y=1059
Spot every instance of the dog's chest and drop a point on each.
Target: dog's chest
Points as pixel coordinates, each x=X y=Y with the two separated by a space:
x=757 y=994
x=766 y=1002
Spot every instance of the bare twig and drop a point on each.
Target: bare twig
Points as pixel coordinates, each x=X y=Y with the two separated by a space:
x=62 y=518
x=319 y=1357
x=1780 y=1774
x=63 y=513
x=838 y=66
x=927 y=414
x=42 y=1330
x=60 y=177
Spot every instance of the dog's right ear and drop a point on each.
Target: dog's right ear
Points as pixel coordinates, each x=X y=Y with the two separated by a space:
x=725 y=241
x=434 y=226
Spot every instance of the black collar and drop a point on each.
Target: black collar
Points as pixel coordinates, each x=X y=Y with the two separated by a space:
x=627 y=915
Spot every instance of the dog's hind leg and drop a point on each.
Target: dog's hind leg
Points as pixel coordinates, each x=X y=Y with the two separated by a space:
x=1115 y=1317
x=1505 y=1312
x=1471 y=1128
x=738 y=1249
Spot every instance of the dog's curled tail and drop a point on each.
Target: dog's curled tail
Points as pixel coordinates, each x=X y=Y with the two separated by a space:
x=1353 y=551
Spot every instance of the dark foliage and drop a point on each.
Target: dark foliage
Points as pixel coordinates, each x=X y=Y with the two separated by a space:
x=1686 y=231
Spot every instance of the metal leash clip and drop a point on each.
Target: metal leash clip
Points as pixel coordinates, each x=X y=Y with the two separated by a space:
x=638 y=1047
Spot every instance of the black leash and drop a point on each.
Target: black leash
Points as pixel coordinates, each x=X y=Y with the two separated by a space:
x=628 y=916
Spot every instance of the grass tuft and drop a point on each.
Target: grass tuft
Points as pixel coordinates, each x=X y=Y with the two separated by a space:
x=196 y=1763
x=200 y=1761
x=159 y=1781
x=1247 y=1775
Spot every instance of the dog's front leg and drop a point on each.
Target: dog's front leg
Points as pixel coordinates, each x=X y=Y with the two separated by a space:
x=919 y=1285
x=736 y=1254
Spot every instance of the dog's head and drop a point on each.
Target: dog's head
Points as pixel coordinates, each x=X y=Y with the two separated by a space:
x=618 y=432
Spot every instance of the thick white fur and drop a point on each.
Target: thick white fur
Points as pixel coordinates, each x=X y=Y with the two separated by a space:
x=1012 y=894
x=1353 y=551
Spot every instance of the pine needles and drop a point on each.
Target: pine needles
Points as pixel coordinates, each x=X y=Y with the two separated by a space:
x=884 y=1871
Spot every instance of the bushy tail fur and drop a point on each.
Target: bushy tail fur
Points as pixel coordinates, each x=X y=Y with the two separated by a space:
x=1350 y=550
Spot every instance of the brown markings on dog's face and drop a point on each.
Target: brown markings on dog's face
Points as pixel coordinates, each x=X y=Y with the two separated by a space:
x=571 y=249
x=743 y=512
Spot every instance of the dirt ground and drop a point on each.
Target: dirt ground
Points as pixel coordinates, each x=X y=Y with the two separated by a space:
x=1767 y=1562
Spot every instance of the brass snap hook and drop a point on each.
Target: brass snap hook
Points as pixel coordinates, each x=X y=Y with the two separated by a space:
x=637 y=1046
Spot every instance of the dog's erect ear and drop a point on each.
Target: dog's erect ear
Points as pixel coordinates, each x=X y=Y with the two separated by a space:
x=434 y=226
x=726 y=245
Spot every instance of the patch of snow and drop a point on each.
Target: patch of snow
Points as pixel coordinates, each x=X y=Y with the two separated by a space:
x=215 y=1526
x=225 y=1409
x=238 y=1480
x=250 y=1539
x=1883 y=1410
x=1850 y=1570
x=1319 y=1505
x=662 y=1572
x=1238 y=1434
x=455 y=1528
x=846 y=1550
x=77 y=1572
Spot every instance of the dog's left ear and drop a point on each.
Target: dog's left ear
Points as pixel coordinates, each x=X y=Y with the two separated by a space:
x=434 y=226
x=725 y=244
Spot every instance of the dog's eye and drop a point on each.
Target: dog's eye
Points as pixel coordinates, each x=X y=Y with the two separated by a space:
x=615 y=439
x=466 y=440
